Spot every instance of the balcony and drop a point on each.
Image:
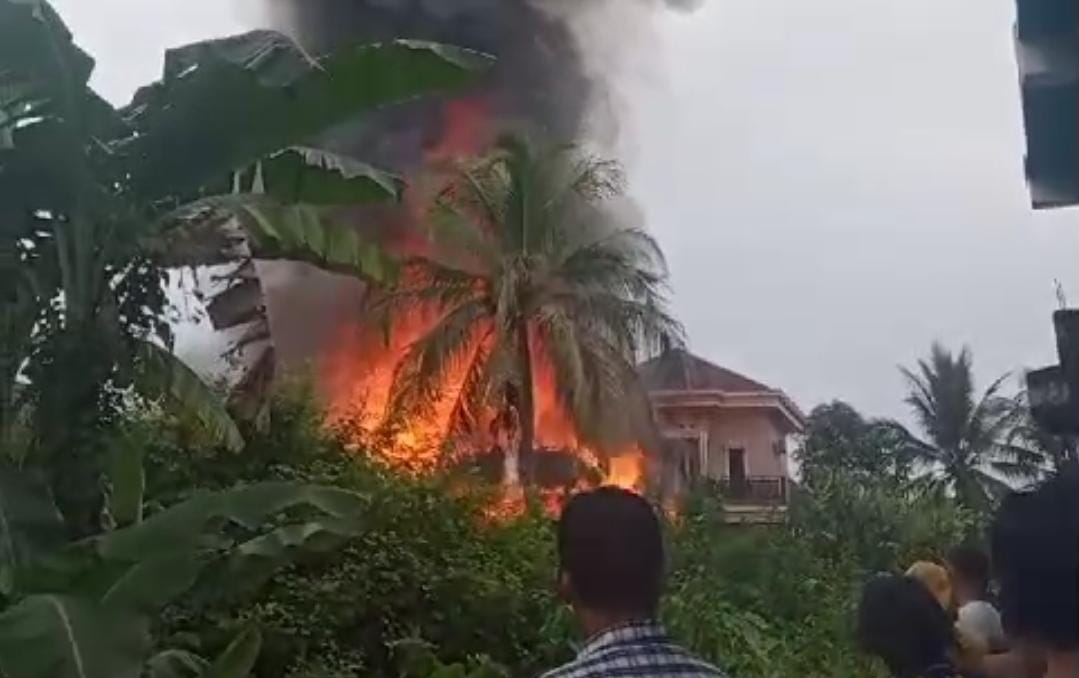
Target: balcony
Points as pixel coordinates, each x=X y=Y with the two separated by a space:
x=759 y=500
x=755 y=491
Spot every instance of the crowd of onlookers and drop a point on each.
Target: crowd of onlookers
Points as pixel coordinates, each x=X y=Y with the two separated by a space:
x=1010 y=613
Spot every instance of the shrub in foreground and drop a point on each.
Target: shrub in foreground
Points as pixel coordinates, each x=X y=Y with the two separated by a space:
x=427 y=568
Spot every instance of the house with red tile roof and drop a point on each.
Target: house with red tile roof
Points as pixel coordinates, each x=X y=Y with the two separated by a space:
x=724 y=429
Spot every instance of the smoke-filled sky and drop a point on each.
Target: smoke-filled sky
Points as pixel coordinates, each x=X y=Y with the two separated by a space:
x=836 y=183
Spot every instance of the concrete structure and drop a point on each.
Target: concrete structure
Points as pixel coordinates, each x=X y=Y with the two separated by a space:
x=1047 y=49
x=724 y=428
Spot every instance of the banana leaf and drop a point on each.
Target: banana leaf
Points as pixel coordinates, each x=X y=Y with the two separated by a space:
x=224 y=104
x=50 y=636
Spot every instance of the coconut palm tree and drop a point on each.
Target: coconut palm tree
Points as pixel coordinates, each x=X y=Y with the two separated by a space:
x=531 y=264
x=965 y=434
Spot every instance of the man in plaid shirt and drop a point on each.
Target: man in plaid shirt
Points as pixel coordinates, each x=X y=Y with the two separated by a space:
x=611 y=565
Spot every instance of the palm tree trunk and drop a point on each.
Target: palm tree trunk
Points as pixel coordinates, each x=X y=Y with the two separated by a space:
x=526 y=408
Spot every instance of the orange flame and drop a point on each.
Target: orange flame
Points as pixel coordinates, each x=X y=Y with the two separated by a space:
x=358 y=375
x=358 y=370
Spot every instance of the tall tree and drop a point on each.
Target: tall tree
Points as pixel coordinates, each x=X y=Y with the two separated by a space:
x=965 y=433
x=530 y=265
x=202 y=167
x=839 y=441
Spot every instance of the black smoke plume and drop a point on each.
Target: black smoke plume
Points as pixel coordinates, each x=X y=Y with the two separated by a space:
x=541 y=81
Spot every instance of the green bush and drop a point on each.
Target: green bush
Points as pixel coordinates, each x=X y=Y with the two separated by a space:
x=757 y=601
x=427 y=564
x=879 y=526
x=428 y=569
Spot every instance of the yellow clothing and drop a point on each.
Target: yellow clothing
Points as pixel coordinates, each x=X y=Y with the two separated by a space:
x=936 y=579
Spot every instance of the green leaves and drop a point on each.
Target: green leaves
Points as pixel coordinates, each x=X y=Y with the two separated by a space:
x=176 y=664
x=30 y=525
x=223 y=104
x=51 y=636
x=237 y=661
x=160 y=374
x=317 y=177
x=127 y=479
x=184 y=525
x=965 y=433
x=239 y=657
x=304 y=233
x=150 y=584
x=85 y=607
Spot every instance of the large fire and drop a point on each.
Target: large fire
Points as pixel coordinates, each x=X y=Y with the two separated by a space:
x=358 y=370
x=358 y=374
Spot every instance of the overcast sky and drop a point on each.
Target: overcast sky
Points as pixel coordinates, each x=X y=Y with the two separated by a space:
x=836 y=183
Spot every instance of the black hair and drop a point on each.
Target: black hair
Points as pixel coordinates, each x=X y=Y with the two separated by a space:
x=971 y=563
x=901 y=622
x=611 y=546
x=1035 y=547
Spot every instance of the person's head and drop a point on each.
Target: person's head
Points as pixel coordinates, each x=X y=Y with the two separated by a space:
x=1035 y=551
x=901 y=622
x=970 y=572
x=936 y=580
x=610 y=555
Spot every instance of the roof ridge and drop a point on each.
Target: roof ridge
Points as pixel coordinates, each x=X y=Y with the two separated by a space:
x=687 y=371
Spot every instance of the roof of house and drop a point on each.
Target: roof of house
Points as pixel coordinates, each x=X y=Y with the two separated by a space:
x=680 y=370
x=688 y=379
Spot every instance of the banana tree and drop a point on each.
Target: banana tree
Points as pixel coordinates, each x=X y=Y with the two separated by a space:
x=214 y=163
x=83 y=609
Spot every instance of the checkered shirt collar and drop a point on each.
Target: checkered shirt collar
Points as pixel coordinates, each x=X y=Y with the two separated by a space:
x=638 y=632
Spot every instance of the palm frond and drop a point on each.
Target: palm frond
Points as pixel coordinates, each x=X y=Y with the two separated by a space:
x=635 y=326
x=456 y=236
x=992 y=488
x=425 y=283
x=923 y=402
x=472 y=396
x=591 y=374
x=422 y=371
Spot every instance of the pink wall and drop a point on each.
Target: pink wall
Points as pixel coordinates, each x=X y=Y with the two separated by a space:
x=752 y=429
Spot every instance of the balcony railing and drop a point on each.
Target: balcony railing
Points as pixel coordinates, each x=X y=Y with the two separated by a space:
x=755 y=491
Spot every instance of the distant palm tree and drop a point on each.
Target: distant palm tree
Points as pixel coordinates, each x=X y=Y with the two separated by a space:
x=965 y=435
x=531 y=265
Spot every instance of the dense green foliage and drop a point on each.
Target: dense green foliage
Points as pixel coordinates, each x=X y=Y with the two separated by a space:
x=425 y=564
x=428 y=565
x=84 y=609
